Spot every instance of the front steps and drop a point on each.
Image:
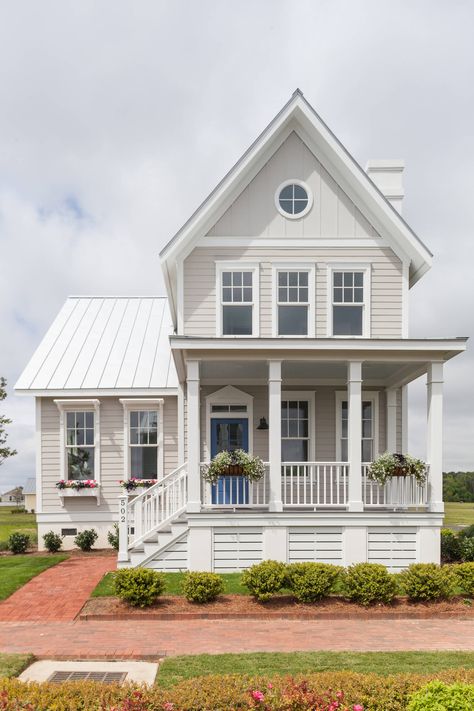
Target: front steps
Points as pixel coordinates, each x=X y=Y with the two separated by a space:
x=163 y=550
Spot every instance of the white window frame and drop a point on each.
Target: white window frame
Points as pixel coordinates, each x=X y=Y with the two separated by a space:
x=309 y=192
x=310 y=398
x=239 y=266
x=229 y=395
x=373 y=396
x=65 y=406
x=135 y=405
x=354 y=266
x=289 y=266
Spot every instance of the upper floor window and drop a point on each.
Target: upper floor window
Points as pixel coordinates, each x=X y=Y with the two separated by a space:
x=349 y=302
x=80 y=445
x=238 y=291
x=293 y=303
x=293 y=199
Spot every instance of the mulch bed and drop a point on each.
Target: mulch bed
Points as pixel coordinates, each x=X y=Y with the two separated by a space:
x=282 y=606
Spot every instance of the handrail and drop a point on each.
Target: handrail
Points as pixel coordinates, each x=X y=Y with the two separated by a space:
x=159 y=483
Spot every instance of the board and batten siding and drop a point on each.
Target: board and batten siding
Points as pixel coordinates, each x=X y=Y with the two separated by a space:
x=111 y=453
x=201 y=306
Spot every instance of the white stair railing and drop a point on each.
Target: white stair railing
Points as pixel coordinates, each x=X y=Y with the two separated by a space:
x=151 y=510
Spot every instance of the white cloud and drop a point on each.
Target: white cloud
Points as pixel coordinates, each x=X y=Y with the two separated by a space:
x=119 y=117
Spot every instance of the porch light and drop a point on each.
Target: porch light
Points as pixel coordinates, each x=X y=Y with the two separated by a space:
x=263 y=424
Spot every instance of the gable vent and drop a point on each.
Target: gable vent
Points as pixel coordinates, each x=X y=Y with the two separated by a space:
x=388 y=177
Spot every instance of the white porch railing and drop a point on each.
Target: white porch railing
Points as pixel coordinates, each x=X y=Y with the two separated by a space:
x=400 y=492
x=314 y=484
x=153 y=509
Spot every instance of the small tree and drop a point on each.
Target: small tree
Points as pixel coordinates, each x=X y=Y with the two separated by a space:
x=5 y=451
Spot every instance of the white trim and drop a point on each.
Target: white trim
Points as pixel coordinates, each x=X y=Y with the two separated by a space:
x=181 y=425
x=38 y=460
x=132 y=405
x=65 y=406
x=366 y=395
x=405 y=299
x=283 y=242
x=180 y=295
x=309 y=193
x=239 y=266
x=404 y=406
x=105 y=392
x=296 y=265
x=352 y=266
x=310 y=397
x=391 y=396
x=229 y=395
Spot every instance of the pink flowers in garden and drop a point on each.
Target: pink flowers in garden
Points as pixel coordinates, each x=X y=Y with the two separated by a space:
x=257 y=695
x=299 y=694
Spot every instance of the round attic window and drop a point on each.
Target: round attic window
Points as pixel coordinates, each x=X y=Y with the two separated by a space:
x=293 y=199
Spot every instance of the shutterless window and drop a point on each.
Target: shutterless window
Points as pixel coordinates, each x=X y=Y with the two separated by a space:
x=367 y=431
x=229 y=408
x=237 y=303
x=80 y=445
x=143 y=444
x=293 y=303
x=293 y=199
x=348 y=303
x=294 y=430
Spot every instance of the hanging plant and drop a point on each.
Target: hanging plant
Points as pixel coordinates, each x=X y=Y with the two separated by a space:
x=236 y=463
x=388 y=465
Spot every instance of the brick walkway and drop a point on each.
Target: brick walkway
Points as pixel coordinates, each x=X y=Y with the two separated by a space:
x=59 y=592
x=151 y=639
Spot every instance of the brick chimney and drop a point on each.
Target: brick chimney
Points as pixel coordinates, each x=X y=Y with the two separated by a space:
x=387 y=176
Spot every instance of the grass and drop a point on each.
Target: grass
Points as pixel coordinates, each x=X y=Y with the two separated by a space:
x=458 y=514
x=173 y=585
x=11 y=523
x=16 y=570
x=175 y=669
x=14 y=664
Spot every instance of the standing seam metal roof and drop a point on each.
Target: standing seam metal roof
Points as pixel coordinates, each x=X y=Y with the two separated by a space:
x=104 y=342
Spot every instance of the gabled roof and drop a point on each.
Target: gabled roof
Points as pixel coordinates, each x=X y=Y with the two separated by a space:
x=299 y=115
x=103 y=344
x=30 y=486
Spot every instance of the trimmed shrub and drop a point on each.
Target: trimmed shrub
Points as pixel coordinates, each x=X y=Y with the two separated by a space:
x=86 y=539
x=113 y=537
x=464 y=573
x=369 y=583
x=423 y=582
x=310 y=582
x=19 y=510
x=52 y=542
x=138 y=586
x=450 y=546
x=202 y=587
x=18 y=542
x=445 y=697
x=265 y=579
x=466 y=546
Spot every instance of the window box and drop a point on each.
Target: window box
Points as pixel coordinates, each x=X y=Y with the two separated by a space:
x=69 y=493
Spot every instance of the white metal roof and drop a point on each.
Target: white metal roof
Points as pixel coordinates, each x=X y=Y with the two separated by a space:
x=104 y=343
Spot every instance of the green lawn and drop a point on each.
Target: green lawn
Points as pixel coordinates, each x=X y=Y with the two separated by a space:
x=16 y=570
x=173 y=585
x=21 y=522
x=175 y=669
x=14 y=664
x=458 y=514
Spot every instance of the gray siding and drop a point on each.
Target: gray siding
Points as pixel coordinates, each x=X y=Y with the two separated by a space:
x=111 y=453
x=200 y=307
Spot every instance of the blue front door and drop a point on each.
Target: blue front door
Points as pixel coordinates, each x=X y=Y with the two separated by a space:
x=229 y=434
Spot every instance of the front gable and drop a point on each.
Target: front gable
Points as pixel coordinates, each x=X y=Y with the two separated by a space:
x=254 y=213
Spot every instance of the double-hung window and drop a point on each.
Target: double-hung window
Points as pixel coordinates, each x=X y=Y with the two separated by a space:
x=237 y=289
x=349 y=291
x=294 y=430
x=293 y=303
x=80 y=445
x=143 y=421
x=369 y=442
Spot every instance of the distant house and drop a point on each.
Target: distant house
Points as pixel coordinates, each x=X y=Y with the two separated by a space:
x=29 y=493
x=285 y=333
x=14 y=497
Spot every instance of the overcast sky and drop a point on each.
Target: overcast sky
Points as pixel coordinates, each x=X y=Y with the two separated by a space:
x=118 y=117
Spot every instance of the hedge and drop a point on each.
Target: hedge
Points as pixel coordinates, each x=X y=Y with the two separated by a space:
x=222 y=693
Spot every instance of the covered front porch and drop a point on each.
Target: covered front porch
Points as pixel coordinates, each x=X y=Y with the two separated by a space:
x=333 y=406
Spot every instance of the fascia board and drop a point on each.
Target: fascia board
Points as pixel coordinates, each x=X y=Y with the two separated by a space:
x=106 y=392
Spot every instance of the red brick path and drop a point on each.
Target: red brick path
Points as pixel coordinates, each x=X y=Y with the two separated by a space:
x=133 y=639
x=59 y=592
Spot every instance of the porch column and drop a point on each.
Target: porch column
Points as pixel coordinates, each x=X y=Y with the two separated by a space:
x=354 y=401
x=274 y=440
x=434 y=449
x=391 y=396
x=194 y=439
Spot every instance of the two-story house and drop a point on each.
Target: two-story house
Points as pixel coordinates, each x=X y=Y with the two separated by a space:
x=285 y=333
